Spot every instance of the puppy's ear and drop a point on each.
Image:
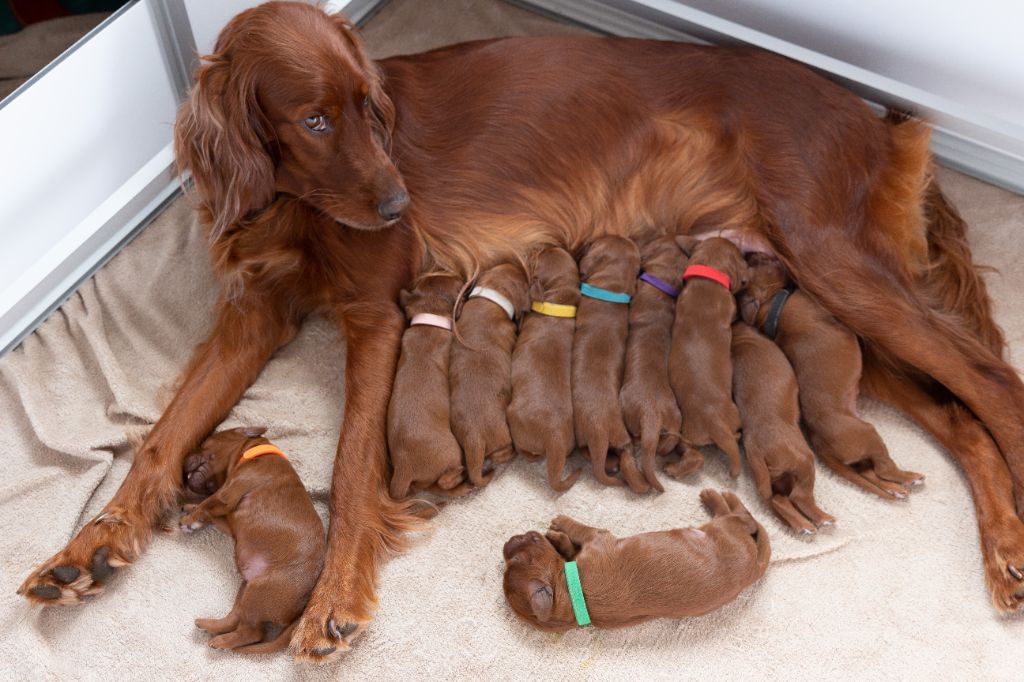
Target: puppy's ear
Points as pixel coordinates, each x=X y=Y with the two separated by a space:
x=403 y=298
x=687 y=243
x=542 y=599
x=252 y=431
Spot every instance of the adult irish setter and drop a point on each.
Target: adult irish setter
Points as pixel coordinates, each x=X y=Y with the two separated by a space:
x=327 y=182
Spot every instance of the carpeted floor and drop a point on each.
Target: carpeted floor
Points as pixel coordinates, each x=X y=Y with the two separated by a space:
x=894 y=591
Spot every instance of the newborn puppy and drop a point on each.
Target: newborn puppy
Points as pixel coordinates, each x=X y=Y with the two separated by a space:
x=481 y=367
x=258 y=499
x=780 y=461
x=648 y=403
x=608 y=272
x=827 y=359
x=700 y=369
x=424 y=453
x=540 y=414
x=669 y=574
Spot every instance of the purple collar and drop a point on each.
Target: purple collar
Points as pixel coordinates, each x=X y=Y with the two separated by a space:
x=665 y=287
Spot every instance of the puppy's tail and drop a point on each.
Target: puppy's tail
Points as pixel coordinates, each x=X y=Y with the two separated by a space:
x=556 y=456
x=650 y=436
x=726 y=441
x=276 y=644
x=475 y=454
x=597 y=448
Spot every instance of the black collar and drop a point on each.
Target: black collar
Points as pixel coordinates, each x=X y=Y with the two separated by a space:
x=771 y=323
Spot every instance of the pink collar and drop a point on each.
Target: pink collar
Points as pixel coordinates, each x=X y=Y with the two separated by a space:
x=431 y=320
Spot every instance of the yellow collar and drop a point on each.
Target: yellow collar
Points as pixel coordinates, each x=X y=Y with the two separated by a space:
x=264 y=449
x=553 y=309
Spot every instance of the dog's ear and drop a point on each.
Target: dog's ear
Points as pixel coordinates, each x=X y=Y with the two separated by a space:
x=380 y=104
x=221 y=136
x=687 y=243
x=542 y=599
x=252 y=431
x=403 y=298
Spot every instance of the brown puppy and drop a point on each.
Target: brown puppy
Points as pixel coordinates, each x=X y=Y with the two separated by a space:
x=481 y=367
x=668 y=574
x=599 y=347
x=700 y=369
x=424 y=453
x=780 y=460
x=540 y=414
x=827 y=360
x=648 y=404
x=258 y=499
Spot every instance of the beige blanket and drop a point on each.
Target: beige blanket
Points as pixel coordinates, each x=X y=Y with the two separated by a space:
x=894 y=591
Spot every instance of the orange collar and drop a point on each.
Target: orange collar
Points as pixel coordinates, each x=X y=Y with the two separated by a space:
x=264 y=449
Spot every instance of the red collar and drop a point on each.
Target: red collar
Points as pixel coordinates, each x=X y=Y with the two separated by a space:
x=706 y=272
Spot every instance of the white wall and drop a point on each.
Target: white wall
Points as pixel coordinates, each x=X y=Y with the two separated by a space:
x=971 y=52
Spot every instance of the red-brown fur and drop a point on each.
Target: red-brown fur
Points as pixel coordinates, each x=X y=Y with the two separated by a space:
x=424 y=453
x=667 y=574
x=700 y=367
x=541 y=141
x=599 y=352
x=648 y=404
x=826 y=358
x=540 y=413
x=279 y=538
x=481 y=370
x=780 y=460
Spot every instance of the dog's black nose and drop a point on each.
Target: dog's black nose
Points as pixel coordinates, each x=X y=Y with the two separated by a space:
x=391 y=208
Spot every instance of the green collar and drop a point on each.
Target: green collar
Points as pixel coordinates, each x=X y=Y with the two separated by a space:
x=579 y=604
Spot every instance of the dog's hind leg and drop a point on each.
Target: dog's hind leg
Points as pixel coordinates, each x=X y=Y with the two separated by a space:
x=955 y=428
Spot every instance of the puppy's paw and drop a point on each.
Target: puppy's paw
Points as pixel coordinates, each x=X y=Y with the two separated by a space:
x=188 y=523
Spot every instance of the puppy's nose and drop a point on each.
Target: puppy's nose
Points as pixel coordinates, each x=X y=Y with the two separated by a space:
x=393 y=205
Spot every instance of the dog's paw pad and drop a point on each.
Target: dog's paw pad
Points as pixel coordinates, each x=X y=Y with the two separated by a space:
x=324 y=651
x=341 y=631
x=66 y=574
x=49 y=592
x=101 y=568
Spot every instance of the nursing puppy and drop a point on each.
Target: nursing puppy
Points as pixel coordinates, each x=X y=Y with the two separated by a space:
x=668 y=574
x=827 y=360
x=257 y=498
x=424 y=453
x=700 y=368
x=608 y=269
x=780 y=460
x=481 y=367
x=540 y=414
x=648 y=404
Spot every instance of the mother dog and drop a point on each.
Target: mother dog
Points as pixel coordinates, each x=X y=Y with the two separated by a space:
x=328 y=182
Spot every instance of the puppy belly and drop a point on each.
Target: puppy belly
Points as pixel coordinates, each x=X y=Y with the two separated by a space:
x=253 y=567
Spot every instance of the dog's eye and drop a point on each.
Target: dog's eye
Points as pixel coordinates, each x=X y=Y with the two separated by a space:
x=317 y=123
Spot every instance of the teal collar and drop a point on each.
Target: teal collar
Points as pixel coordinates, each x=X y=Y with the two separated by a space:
x=579 y=604
x=603 y=294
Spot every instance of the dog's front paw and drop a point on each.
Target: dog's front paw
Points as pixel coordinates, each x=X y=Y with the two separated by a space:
x=1003 y=555
x=328 y=625
x=188 y=523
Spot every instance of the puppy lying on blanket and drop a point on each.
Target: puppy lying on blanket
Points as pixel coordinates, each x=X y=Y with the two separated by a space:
x=780 y=461
x=608 y=273
x=827 y=360
x=577 y=575
x=424 y=453
x=700 y=369
x=540 y=414
x=481 y=367
x=648 y=404
x=258 y=499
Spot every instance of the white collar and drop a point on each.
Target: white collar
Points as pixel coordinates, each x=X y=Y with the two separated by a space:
x=495 y=297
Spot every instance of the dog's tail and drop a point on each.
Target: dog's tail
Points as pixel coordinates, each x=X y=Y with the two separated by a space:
x=726 y=441
x=475 y=453
x=269 y=647
x=952 y=283
x=597 y=448
x=556 y=453
x=650 y=437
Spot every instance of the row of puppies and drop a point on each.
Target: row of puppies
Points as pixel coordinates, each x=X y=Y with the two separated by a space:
x=648 y=378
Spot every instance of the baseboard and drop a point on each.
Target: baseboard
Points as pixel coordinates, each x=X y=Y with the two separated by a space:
x=968 y=140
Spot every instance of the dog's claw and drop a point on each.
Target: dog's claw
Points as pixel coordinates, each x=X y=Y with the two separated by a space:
x=1015 y=572
x=66 y=574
